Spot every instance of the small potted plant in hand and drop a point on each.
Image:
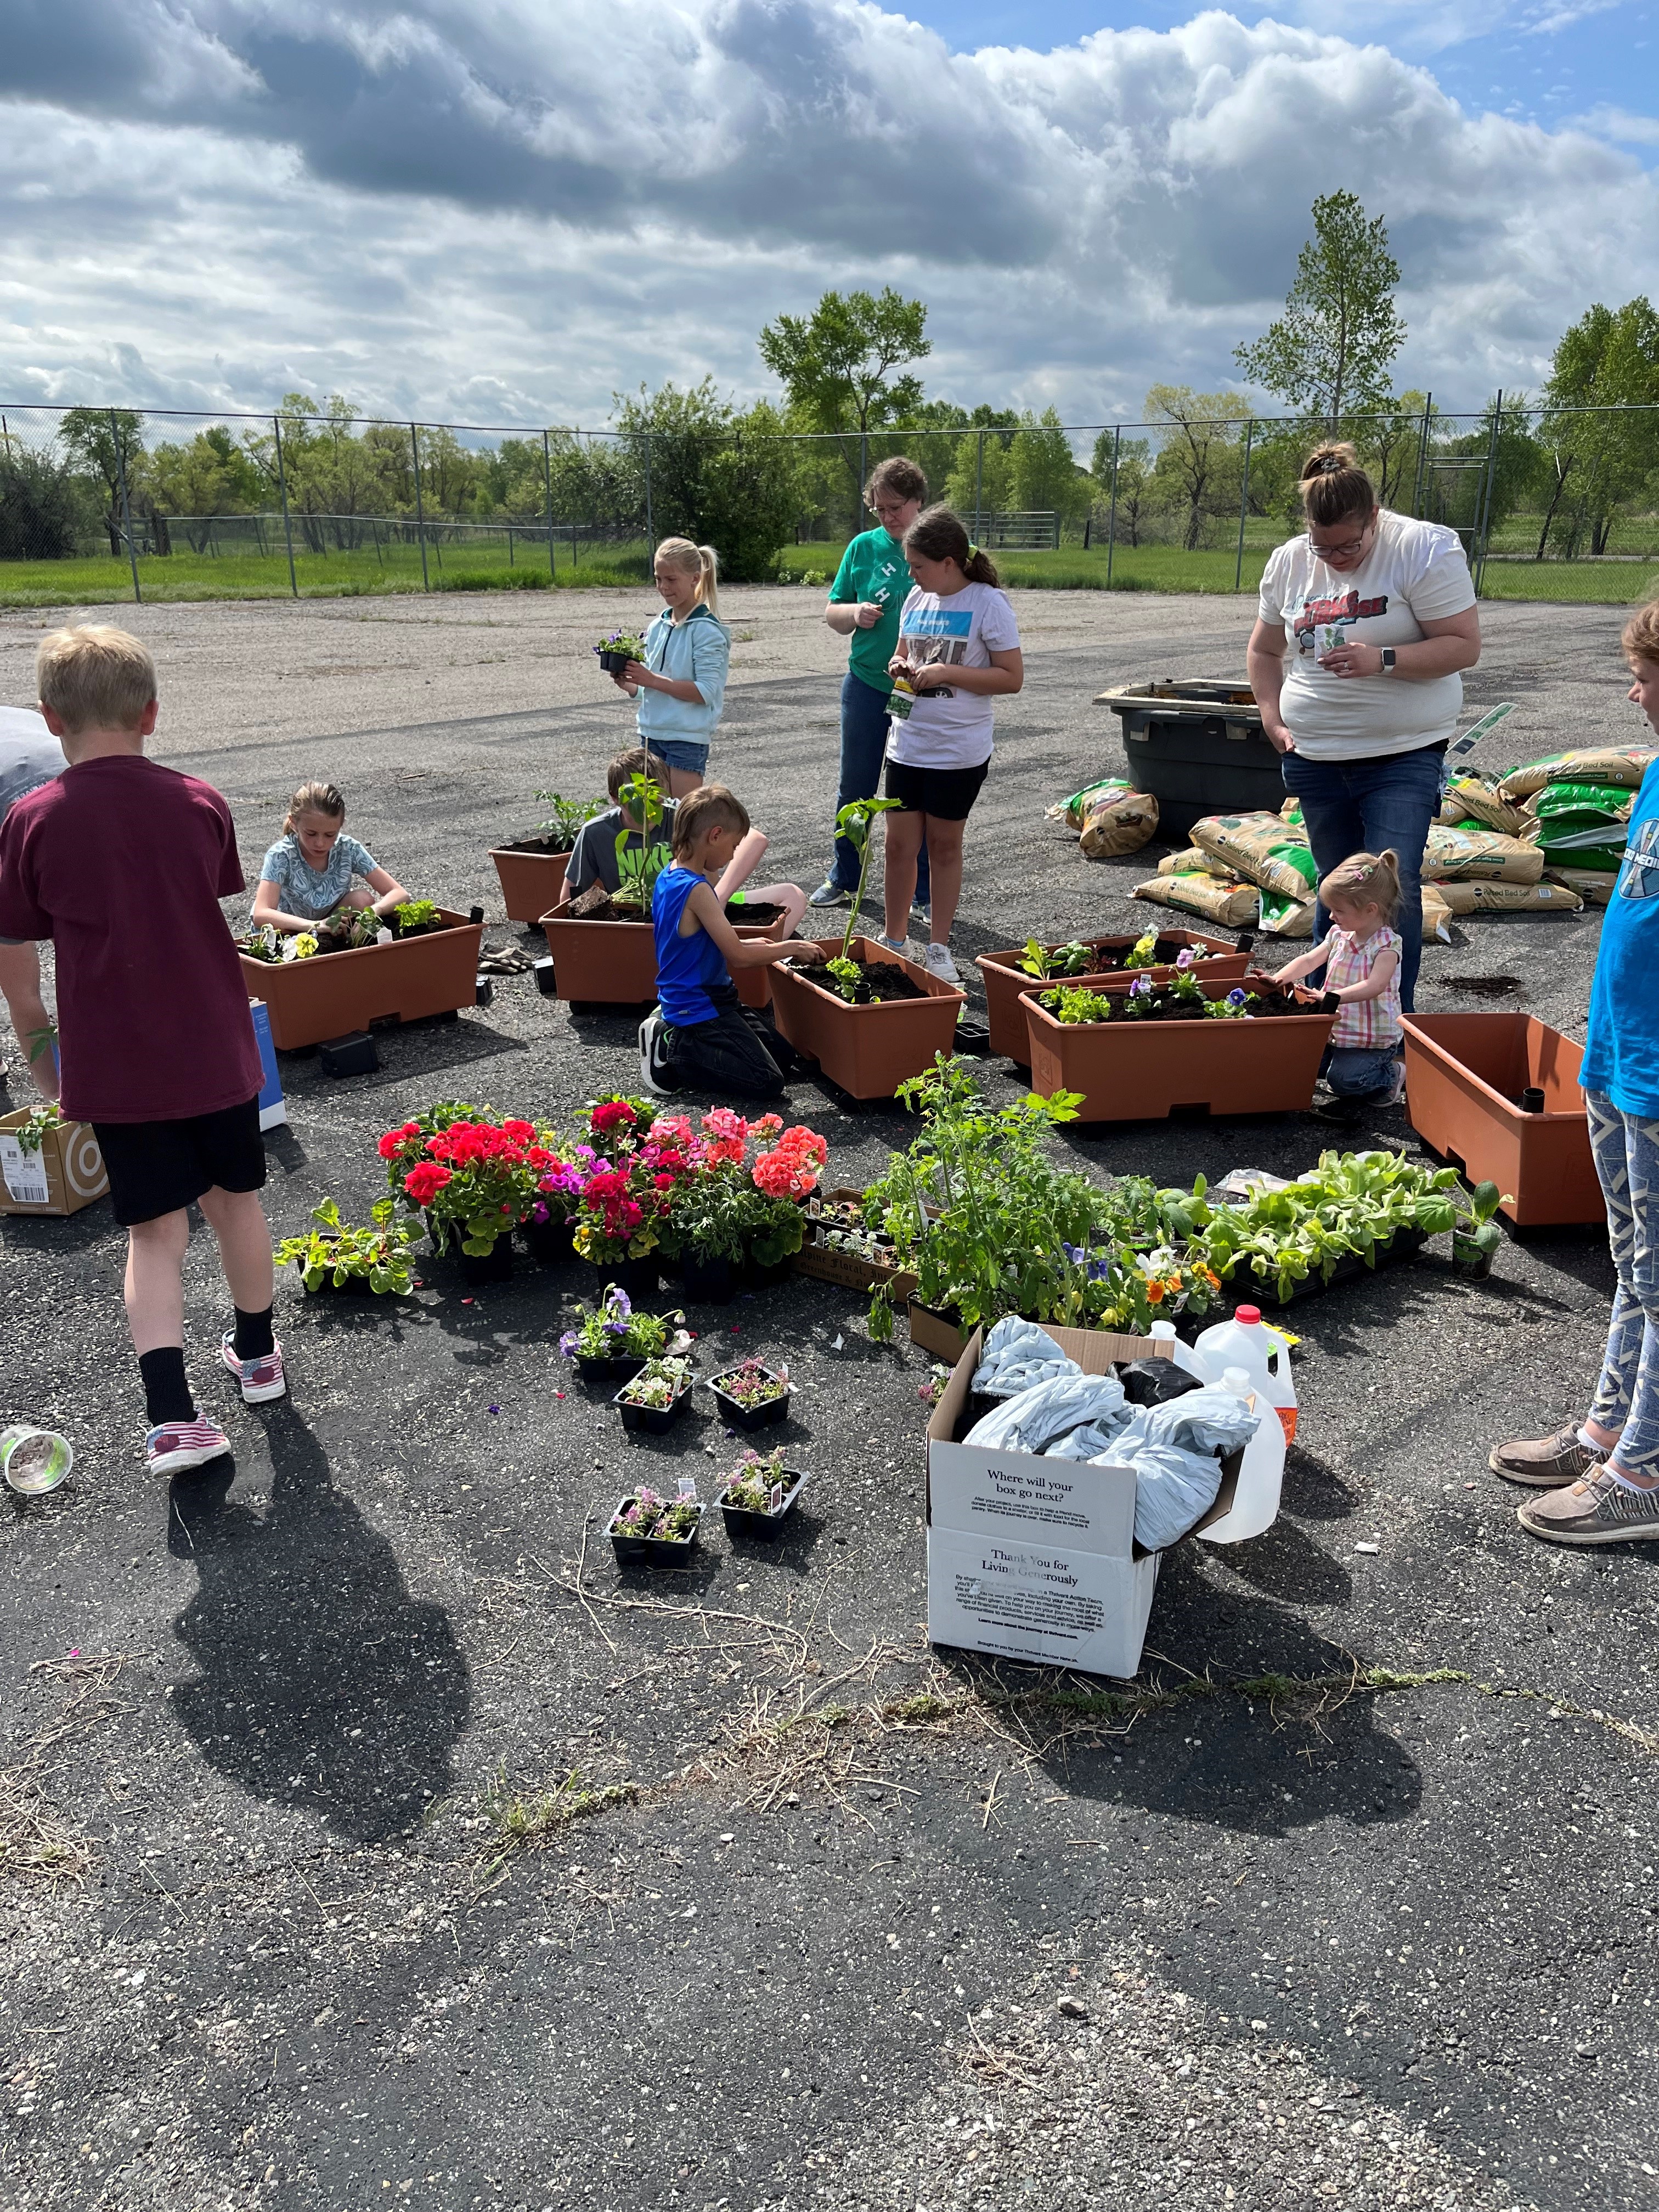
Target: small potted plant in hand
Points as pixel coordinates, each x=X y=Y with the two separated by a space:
x=751 y=1394
x=653 y=1400
x=654 y=1530
x=1476 y=1236
x=617 y=650
x=759 y=1492
x=613 y=1340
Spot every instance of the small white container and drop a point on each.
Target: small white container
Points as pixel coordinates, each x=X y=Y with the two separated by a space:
x=35 y=1461
x=1260 y=1478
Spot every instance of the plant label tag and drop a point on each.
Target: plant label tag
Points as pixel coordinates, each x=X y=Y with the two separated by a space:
x=686 y=1491
x=899 y=704
x=777 y=1498
x=1330 y=637
x=25 y=1173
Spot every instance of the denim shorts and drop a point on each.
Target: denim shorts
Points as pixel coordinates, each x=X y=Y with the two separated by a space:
x=683 y=753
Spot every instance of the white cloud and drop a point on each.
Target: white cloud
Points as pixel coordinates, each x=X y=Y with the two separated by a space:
x=506 y=211
x=1619 y=124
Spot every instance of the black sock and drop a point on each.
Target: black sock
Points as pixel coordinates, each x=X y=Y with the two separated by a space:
x=253 y=1338
x=166 y=1392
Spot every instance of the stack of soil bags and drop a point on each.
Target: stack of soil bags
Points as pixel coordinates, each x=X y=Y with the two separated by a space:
x=1246 y=870
x=1574 y=806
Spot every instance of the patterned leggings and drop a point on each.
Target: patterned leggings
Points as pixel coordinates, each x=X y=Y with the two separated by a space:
x=1627 y=1396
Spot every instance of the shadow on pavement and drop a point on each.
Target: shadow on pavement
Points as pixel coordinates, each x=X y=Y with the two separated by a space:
x=322 y=1682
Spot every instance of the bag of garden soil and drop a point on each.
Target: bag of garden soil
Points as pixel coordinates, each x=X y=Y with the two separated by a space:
x=1582 y=825
x=1471 y=799
x=1595 y=886
x=1074 y=811
x=1480 y=855
x=1265 y=848
x=1510 y=898
x=1623 y=764
x=1216 y=897
x=1435 y=915
x=1286 y=917
x=1190 y=860
x=1118 y=821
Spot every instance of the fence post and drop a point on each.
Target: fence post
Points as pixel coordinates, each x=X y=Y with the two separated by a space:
x=979 y=488
x=1422 y=454
x=126 y=506
x=547 y=487
x=650 y=527
x=288 y=528
x=1111 y=518
x=1484 y=514
x=1243 y=507
x=420 y=512
x=858 y=515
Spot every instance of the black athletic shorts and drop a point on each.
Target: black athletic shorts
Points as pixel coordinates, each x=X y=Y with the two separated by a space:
x=159 y=1167
x=948 y=792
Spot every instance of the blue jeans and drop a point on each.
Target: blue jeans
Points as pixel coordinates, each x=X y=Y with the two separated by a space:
x=1373 y=806
x=863 y=747
x=1626 y=1152
x=1357 y=1072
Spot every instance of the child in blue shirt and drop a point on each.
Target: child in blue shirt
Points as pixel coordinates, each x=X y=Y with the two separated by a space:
x=1599 y=1479
x=680 y=685
x=314 y=867
x=700 y=1034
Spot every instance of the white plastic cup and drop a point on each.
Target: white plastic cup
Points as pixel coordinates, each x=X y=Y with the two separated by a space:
x=35 y=1461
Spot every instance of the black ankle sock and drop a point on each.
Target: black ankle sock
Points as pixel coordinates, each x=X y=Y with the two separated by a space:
x=253 y=1338
x=166 y=1392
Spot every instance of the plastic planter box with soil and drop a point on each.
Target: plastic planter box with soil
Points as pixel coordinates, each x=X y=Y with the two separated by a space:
x=608 y=958
x=752 y=1395
x=530 y=871
x=1465 y=1078
x=1143 y=1067
x=868 y=1048
x=1197 y=746
x=1004 y=979
x=430 y=970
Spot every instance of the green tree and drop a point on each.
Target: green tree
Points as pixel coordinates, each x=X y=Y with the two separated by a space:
x=837 y=365
x=1132 y=460
x=1198 y=464
x=210 y=475
x=1329 y=353
x=984 y=462
x=717 y=476
x=1047 y=477
x=1609 y=359
x=103 y=441
x=41 y=505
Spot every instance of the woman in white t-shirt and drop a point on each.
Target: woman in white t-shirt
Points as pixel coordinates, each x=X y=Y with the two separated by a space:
x=959 y=648
x=1362 y=627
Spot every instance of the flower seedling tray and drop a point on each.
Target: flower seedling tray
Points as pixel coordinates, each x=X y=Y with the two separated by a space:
x=1404 y=1244
x=1464 y=1073
x=1140 y=1071
x=764 y=1416
x=651 y=1420
x=355 y=1286
x=653 y=1551
x=1005 y=980
x=740 y=1522
x=332 y=994
x=614 y=1368
x=615 y=963
x=531 y=880
x=868 y=1050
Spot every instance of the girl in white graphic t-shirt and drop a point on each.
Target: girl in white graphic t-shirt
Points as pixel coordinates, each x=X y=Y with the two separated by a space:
x=958 y=649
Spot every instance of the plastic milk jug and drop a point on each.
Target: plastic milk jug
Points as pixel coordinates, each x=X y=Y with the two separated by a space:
x=1246 y=1342
x=1164 y=1333
x=1261 y=1473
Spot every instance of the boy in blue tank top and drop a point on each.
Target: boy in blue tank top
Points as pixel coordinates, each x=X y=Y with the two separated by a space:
x=700 y=1035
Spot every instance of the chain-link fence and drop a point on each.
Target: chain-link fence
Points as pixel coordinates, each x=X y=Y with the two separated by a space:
x=100 y=502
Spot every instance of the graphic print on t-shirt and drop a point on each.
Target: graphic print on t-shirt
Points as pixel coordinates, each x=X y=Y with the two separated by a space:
x=1347 y=607
x=936 y=636
x=1639 y=878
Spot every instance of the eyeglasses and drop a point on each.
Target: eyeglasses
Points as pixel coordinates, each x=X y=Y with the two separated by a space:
x=1339 y=552
x=885 y=511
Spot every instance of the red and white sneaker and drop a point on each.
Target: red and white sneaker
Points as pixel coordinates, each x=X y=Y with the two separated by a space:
x=177 y=1445
x=261 y=1379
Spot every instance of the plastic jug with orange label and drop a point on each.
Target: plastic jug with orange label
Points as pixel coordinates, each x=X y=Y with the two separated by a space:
x=1247 y=1341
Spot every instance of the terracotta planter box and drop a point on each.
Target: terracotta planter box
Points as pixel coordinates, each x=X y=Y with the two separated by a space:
x=1004 y=979
x=1464 y=1073
x=614 y=963
x=868 y=1050
x=1130 y=1071
x=532 y=882
x=333 y=993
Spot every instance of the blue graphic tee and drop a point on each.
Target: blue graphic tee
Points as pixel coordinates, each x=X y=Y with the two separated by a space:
x=1621 y=1051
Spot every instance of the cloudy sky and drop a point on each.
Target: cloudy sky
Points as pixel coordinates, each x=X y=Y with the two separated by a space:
x=501 y=211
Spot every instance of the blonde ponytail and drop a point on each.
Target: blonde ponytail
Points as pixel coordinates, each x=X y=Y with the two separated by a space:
x=700 y=561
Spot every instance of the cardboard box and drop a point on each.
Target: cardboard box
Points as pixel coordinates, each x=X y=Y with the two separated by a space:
x=932 y=1331
x=66 y=1174
x=1034 y=1559
x=273 y=1108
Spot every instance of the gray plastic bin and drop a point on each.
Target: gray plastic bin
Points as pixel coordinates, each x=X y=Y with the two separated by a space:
x=1195 y=743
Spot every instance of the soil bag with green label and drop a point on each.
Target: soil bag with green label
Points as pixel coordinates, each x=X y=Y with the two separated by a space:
x=1479 y=856
x=1118 y=821
x=1263 y=849
x=1582 y=825
x=1622 y=764
x=1470 y=798
x=1218 y=898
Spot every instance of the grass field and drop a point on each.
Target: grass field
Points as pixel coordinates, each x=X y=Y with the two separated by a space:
x=365 y=571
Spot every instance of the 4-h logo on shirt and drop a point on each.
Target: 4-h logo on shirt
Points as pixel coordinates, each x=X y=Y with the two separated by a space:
x=1639 y=878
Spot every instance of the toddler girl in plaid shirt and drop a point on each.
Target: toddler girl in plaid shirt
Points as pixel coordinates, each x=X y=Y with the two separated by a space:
x=1360 y=955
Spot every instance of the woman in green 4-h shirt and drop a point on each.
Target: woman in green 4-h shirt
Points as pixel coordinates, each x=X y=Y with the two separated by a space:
x=865 y=599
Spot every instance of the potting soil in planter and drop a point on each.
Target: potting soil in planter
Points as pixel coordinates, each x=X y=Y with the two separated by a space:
x=880 y=980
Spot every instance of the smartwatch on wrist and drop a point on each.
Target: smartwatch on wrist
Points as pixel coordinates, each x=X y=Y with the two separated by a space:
x=1387 y=652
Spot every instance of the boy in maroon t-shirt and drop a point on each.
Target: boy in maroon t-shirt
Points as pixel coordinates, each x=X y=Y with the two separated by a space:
x=122 y=864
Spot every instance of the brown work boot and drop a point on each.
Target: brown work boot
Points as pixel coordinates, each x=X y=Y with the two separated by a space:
x=1599 y=1510
x=1544 y=1462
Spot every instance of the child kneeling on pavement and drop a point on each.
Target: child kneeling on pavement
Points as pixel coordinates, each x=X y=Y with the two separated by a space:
x=700 y=1035
x=1360 y=955
x=122 y=863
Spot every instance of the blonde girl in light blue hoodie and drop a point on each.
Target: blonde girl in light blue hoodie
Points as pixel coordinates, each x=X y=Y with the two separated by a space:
x=681 y=684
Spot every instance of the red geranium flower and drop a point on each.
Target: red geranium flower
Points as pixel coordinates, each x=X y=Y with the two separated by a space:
x=425 y=1180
